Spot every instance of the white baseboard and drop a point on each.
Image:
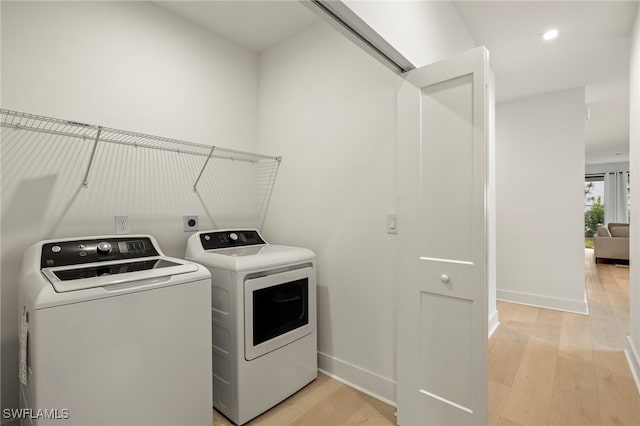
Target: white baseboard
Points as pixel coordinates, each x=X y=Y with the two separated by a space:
x=372 y=384
x=494 y=322
x=633 y=358
x=558 y=304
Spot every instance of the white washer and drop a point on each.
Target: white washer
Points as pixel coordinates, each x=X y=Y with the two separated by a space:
x=118 y=334
x=264 y=319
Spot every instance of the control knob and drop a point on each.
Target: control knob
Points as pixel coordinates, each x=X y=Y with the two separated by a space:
x=103 y=247
x=233 y=236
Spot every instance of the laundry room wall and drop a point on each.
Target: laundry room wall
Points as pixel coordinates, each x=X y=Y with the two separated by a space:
x=540 y=200
x=128 y=65
x=425 y=32
x=330 y=109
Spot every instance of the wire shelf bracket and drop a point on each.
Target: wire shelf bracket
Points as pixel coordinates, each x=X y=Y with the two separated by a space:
x=267 y=198
x=85 y=181
x=204 y=166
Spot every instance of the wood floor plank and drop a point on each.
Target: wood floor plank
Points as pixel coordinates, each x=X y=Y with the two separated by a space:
x=525 y=314
x=506 y=310
x=575 y=395
x=619 y=401
x=617 y=291
x=372 y=412
x=302 y=407
x=606 y=335
x=498 y=397
x=336 y=409
x=300 y=403
x=546 y=325
x=575 y=337
x=529 y=401
x=506 y=354
x=506 y=422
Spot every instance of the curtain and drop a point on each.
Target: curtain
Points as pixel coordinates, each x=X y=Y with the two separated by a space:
x=615 y=197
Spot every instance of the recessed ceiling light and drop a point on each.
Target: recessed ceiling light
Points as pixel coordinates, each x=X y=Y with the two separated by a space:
x=550 y=34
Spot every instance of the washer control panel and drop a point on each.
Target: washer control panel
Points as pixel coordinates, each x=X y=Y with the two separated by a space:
x=230 y=238
x=65 y=253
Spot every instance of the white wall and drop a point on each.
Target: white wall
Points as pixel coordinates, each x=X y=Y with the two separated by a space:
x=606 y=167
x=540 y=198
x=131 y=66
x=426 y=32
x=329 y=109
x=633 y=346
x=422 y=31
x=126 y=65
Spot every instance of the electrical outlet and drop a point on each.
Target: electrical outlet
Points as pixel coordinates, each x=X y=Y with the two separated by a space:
x=122 y=225
x=190 y=223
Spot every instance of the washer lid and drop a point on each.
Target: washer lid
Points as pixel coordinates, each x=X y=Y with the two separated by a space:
x=105 y=274
x=253 y=257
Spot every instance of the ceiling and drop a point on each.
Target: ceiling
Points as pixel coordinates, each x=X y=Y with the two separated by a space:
x=592 y=50
x=254 y=25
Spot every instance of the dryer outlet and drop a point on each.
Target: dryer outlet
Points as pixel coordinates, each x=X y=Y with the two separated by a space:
x=190 y=223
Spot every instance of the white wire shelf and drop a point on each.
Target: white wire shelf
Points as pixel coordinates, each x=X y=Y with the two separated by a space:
x=74 y=129
x=51 y=130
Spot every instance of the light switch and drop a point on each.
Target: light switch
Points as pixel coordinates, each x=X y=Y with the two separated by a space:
x=392 y=223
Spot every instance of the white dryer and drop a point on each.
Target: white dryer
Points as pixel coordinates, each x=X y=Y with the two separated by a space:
x=264 y=319
x=113 y=333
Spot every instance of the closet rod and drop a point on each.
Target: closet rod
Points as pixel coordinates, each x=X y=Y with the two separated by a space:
x=73 y=129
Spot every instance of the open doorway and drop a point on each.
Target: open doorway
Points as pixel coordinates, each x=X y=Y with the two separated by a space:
x=593 y=207
x=606 y=213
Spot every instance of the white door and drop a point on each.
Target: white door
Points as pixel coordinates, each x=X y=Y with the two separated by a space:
x=442 y=288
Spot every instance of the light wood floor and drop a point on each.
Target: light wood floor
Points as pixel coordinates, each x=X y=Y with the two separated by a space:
x=555 y=368
x=545 y=368
x=324 y=402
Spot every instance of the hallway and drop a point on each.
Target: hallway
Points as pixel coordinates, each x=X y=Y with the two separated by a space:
x=555 y=368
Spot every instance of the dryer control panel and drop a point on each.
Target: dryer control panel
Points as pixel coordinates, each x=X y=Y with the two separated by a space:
x=78 y=252
x=230 y=238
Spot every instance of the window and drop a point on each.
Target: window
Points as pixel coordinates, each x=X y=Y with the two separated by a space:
x=593 y=206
